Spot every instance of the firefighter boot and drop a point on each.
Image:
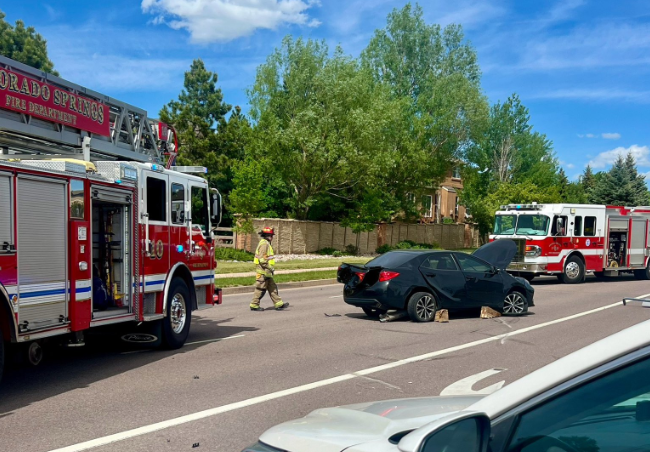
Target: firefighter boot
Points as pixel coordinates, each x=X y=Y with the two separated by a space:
x=282 y=306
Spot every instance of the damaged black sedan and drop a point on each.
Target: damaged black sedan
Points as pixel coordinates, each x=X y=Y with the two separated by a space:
x=422 y=282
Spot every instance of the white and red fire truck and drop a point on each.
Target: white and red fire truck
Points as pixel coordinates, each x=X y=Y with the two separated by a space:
x=96 y=228
x=571 y=240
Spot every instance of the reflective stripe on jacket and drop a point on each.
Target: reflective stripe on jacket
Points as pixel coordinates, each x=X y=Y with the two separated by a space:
x=264 y=258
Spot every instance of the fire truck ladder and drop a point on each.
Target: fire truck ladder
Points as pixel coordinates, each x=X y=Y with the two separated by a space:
x=133 y=136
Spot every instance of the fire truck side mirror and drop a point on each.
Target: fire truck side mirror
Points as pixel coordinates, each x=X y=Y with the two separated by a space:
x=559 y=225
x=216 y=207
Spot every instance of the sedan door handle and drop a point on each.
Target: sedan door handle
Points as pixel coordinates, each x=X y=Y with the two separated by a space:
x=471 y=278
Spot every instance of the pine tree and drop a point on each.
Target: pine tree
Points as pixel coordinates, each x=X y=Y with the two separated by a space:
x=638 y=186
x=621 y=185
x=23 y=44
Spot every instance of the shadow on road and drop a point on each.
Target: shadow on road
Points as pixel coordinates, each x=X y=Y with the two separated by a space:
x=104 y=356
x=590 y=279
x=454 y=314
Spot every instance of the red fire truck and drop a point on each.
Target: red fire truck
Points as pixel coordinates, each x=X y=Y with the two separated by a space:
x=96 y=225
x=570 y=240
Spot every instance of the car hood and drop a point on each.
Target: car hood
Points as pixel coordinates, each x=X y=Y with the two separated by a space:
x=498 y=253
x=335 y=429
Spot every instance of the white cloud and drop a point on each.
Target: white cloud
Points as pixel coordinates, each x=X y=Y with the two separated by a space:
x=589 y=46
x=596 y=94
x=570 y=166
x=604 y=159
x=611 y=136
x=590 y=135
x=224 y=20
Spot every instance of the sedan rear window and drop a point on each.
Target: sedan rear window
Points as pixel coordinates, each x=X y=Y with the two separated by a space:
x=391 y=259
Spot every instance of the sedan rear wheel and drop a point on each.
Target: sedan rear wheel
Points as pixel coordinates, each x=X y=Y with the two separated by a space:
x=515 y=303
x=422 y=307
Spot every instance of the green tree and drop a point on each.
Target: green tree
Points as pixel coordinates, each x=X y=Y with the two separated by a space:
x=25 y=45
x=322 y=122
x=511 y=193
x=436 y=73
x=248 y=198
x=510 y=152
x=206 y=136
x=621 y=185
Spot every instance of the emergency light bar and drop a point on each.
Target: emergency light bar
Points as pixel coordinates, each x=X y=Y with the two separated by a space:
x=190 y=169
x=533 y=206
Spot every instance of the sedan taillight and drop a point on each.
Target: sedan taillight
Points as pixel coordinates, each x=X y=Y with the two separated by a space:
x=386 y=275
x=361 y=275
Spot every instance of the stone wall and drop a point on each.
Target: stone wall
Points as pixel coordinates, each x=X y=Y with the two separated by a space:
x=302 y=237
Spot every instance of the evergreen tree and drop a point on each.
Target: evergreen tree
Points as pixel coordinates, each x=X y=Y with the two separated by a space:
x=621 y=185
x=23 y=44
x=638 y=185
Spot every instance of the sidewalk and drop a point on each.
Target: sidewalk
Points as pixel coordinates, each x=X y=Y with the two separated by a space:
x=279 y=272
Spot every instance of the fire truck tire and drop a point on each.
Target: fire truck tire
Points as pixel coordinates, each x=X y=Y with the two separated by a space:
x=2 y=355
x=176 y=324
x=642 y=274
x=574 y=271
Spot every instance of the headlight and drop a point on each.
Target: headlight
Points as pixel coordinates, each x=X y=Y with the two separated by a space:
x=261 y=447
x=533 y=251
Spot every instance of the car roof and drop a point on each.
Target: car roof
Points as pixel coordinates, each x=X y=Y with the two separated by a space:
x=564 y=369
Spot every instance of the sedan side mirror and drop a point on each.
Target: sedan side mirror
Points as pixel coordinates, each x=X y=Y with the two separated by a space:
x=468 y=431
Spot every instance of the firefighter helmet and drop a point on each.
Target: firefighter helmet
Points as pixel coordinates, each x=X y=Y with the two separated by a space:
x=267 y=231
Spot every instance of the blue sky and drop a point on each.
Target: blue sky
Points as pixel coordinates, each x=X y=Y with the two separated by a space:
x=581 y=67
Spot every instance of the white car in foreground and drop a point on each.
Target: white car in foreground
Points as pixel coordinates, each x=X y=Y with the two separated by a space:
x=594 y=400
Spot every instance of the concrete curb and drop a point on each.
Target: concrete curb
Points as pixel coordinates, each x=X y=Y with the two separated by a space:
x=281 y=287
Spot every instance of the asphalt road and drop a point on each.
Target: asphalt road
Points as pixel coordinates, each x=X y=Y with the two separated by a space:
x=242 y=372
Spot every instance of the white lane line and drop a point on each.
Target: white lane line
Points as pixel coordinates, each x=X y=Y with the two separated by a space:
x=214 y=340
x=337 y=296
x=308 y=387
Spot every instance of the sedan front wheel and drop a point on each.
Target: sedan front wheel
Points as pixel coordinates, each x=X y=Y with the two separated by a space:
x=422 y=307
x=515 y=303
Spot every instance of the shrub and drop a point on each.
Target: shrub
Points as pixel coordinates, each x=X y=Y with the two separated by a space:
x=230 y=254
x=351 y=250
x=406 y=245
x=383 y=248
x=326 y=251
x=448 y=221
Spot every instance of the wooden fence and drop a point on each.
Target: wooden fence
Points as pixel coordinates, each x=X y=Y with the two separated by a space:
x=301 y=237
x=225 y=237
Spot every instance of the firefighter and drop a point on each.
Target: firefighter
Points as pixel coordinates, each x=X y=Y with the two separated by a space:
x=265 y=268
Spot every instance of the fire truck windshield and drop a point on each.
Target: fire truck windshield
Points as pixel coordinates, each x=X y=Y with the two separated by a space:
x=521 y=224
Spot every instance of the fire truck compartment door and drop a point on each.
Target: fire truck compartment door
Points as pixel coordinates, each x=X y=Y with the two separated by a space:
x=42 y=252
x=6 y=223
x=110 y=195
x=637 y=242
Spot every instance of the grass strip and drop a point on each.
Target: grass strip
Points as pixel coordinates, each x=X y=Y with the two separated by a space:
x=240 y=267
x=292 y=277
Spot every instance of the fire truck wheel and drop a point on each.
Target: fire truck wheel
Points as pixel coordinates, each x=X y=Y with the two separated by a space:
x=2 y=354
x=176 y=324
x=574 y=271
x=642 y=274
